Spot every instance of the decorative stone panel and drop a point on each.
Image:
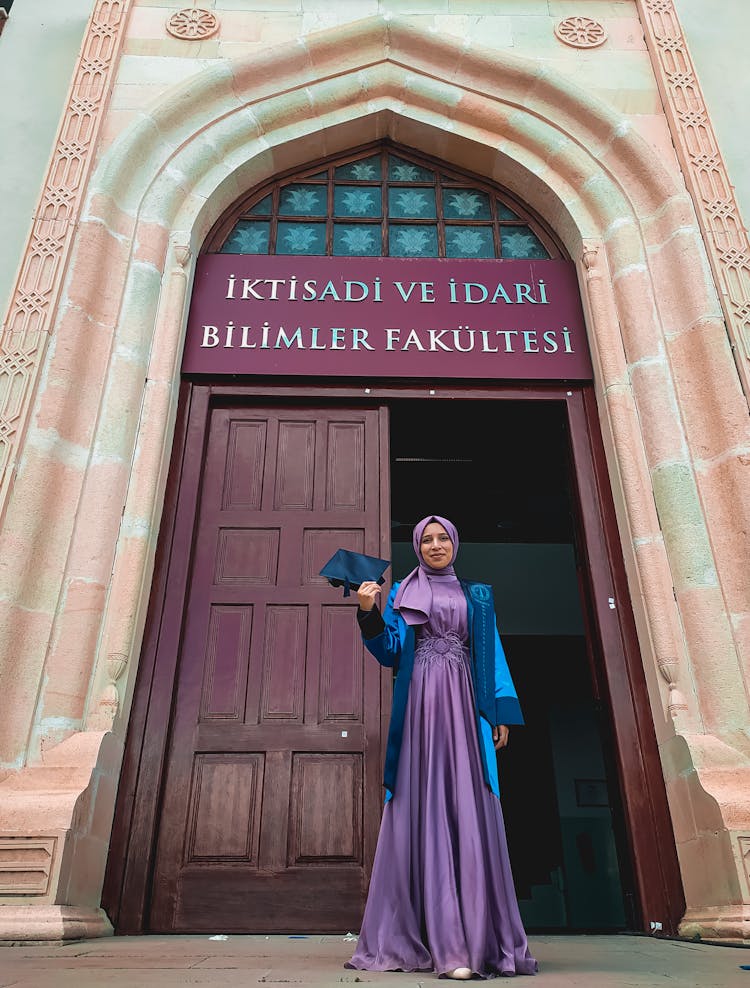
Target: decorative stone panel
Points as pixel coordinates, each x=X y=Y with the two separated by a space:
x=26 y=865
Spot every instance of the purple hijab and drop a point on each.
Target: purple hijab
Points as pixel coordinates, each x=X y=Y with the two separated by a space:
x=414 y=595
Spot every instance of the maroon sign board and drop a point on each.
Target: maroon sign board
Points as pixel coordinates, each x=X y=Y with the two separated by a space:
x=386 y=317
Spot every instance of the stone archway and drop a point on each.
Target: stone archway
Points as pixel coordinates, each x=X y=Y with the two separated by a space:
x=676 y=483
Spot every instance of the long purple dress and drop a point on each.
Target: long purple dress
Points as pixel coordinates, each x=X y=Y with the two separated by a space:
x=441 y=894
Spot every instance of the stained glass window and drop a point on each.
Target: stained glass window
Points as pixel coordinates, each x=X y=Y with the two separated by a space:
x=385 y=200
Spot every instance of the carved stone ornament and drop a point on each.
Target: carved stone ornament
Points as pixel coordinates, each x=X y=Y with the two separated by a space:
x=581 y=32
x=193 y=24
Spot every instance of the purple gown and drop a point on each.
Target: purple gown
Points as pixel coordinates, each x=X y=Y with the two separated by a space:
x=441 y=894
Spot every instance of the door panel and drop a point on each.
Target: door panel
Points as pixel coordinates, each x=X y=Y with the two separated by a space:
x=267 y=819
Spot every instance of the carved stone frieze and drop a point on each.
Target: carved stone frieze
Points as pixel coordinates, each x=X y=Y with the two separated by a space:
x=705 y=170
x=32 y=306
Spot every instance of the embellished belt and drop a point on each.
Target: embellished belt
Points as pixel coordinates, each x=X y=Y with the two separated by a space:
x=445 y=649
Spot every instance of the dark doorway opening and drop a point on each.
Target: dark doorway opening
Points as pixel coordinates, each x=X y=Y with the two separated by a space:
x=501 y=471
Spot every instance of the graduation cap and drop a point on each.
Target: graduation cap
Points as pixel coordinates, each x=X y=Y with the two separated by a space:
x=348 y=569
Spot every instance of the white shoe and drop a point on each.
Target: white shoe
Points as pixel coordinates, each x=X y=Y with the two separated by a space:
x=460 y=974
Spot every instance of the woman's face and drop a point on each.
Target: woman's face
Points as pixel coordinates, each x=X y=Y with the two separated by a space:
x=436 y=546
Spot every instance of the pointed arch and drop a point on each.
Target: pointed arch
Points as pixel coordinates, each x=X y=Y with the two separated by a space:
x=620 y=212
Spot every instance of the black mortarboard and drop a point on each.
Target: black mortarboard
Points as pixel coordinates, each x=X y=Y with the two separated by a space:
x=348 y=569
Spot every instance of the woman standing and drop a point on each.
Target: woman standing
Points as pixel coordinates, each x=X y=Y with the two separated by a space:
x=441 y=895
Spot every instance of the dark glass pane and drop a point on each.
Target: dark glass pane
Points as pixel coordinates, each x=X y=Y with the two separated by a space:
x=301 y=238
x=520 y=242
x=357 y=240
x=357 y=200
x=412 y=241
x=417 y=203
x=248 y=237
x=262 y=208
x=466 y=204
x=303 y=200
x=469 y=241
x=504 y=213
x=364 y=170
x=405 y=171
x=321 y=175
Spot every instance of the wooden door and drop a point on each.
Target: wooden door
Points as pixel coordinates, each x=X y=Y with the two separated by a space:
x=272 y=795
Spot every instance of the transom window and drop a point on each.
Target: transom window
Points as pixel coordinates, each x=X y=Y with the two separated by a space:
x=384 y=201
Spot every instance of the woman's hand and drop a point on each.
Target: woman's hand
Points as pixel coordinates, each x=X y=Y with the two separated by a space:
x=367 y=594
x=500 y=736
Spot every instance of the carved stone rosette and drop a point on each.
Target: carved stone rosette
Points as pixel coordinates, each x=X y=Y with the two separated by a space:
x=581 y=32
x=193 y=24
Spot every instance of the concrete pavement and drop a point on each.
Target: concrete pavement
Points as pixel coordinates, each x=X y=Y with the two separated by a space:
x=621 y=961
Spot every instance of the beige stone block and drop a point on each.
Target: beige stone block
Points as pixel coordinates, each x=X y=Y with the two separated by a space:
x=488 y=115
x=127 y=170
x=103 y=807
x=356 y=44
x=714 y=407
x=98 y=267
x=147 y=21
x=683 y=524
x=416 y=6
x=719 y=685
x=675 y=216
x=681 y=810
x=68 y=667
x=686 y=292
x=534 y=36
x=103 y=209
x=69 y=402
x=102 y=498
x=648 y=183
x=140 y=301
x=22 y=633
x=120 y=412
x=232 y=50
x=507 y=78
x=624 y=34
x=39 y=520
x=280 y=30
x=286 y=110
x=158 y=70
x=169 y=47
x=332 y=95
x=259 y=6
x=624 y=241
x=654 y=129
x=151 y=244
x=632 y=464
x=258 y=77
x=184 y=112
x=115 y=122
x=86 y=874
x=637 y=314
x=598 y=9
x=26 y=921
x=724 y=485
x=494 y=32
x=708 y=871
x=663 y=434
x=529 y=7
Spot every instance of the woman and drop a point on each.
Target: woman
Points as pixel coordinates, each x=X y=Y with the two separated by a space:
x=441 y=895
